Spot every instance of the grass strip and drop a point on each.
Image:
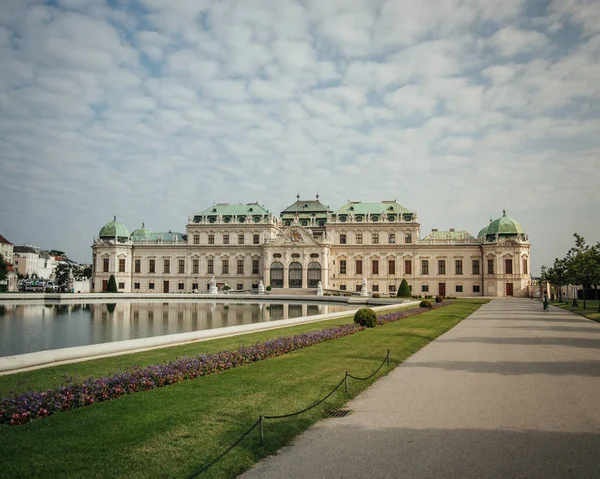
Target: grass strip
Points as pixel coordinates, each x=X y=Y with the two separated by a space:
x=591 y=311
x=171 y=432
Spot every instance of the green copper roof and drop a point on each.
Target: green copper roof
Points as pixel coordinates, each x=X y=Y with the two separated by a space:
x=306 y=207
x=483 y=231
x=389 y=207
x=114 y=230
x=504 y=226
x=141 y=234
x=449 y=235
x=226 y=209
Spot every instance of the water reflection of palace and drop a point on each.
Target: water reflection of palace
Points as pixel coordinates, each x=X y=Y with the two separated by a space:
x=38 y=327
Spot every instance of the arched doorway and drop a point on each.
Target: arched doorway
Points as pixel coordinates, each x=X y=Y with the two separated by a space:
x=295 y=271
x=314 y=274
x=276 y=275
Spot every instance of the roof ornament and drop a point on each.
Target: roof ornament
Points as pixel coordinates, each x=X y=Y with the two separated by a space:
x=114 y=217
x=298 y=196
x=504 y=212
x=143 y=226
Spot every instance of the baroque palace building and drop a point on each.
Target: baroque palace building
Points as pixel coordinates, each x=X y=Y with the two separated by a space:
x=242 y=245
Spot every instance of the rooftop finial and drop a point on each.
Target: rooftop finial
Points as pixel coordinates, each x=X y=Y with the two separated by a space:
x=504 y=212
x=298 y=196
x=143 y=226
x=114 y=217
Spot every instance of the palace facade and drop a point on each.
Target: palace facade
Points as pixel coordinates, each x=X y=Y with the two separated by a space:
x=242 y=245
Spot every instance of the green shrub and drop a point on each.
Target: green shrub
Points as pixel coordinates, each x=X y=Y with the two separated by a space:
x=376 y=295
x=404 y=290
x=439 y=299
x=111 y=287
x=347 y=294
x=425 y=304
x=268 y=288
x=326 y=294
x=336 y=294
x=365 y=317
x=49 y=290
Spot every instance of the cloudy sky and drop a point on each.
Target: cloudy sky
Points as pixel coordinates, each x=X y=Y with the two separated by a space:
x=154 y=109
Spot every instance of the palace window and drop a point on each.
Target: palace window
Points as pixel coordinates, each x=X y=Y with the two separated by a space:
x=105 y=265
x=525 y=266
x=392 y=266
x=255 y=239
x=225 y=267
x=151 y=266
x=211 y=239
x=359 y=266
x=240 y=286
x=240 y=266
x=121 y=285
x=342 y=239
x=167 y=266
x=196 y=239
x=375 y=266
x=375 y=238
x=459 y=288
x=392 y=238
x=475 y=266
x=241 y=239
x=255 y=266
x=342 y=287
x=194 y=286
x=458 y=265
x=425 y=266
x=225 y=238
x=425 y=288
x=358 y=238
x=441 y=266
x=391 y=288
x=342 y=266
x=195 y=267
x=136 y=285
x=375 y=288
x=180 y=287
x=211 y=266
x=476 y=288
x=407 y=266
x=358 y=287
x=181 y=266
x=508 y=266
x=121 y=265
x=150 y=285
x=138 y=266
x=408 y=238
x=490 y=266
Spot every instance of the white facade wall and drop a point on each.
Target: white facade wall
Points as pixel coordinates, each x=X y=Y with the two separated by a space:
x=6 y=250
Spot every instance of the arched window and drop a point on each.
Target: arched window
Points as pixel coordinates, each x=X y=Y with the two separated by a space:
x=295 y=273
x=276 y=275
x=314 y=274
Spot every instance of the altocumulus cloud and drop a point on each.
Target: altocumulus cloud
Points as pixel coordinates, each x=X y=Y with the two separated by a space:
x=154 y=109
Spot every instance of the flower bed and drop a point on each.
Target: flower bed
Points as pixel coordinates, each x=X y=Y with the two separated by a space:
x=21 y=408
x=397 y=315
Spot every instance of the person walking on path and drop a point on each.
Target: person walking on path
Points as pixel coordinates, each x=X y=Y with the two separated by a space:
x=546 y=301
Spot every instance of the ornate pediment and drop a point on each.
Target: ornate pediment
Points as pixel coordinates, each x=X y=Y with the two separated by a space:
x=295 y=236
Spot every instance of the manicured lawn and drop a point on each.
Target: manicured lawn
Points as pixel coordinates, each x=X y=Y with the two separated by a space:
x=173 y=431
x=591 y=311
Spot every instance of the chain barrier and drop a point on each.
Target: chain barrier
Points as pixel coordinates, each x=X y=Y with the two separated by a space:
x=261 y=418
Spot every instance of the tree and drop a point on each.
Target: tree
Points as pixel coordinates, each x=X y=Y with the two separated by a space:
x=3 y=269
x=112 y=285
x=87 y=272
x=404 y=290
x=63 y=270
x=580 y=260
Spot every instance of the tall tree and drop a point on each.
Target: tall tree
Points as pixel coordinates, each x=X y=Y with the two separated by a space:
x=61 y=274
x=3 y=269
x=112 y=285
x=580 y=262
x=404 y=290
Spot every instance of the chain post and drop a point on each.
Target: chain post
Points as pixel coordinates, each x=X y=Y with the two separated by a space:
x=262 y=434
x=346 y=382
x=388 y=358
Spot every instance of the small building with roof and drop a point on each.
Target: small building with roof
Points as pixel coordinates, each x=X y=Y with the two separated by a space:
x=6 y=249
x=241 y=245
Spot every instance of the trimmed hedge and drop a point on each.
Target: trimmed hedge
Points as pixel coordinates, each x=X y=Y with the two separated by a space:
x=404 y=290
x=365 y=317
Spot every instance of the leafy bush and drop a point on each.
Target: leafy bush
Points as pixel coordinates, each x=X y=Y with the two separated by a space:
x=376 y=295
x=49 y=290
x=326 y=294
x=404 y=290
x=365 y=317
x=425 y=304
x=439 y=299
x=336 y=294
x=347 y=294
x=268 y=288
x=112 y=285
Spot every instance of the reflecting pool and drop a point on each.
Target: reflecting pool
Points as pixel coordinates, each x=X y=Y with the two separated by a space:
x=26 y=328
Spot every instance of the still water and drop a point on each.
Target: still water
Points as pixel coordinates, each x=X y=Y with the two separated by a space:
x=26 y=328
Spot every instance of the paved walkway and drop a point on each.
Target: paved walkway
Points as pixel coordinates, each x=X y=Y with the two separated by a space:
x=510 y=392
